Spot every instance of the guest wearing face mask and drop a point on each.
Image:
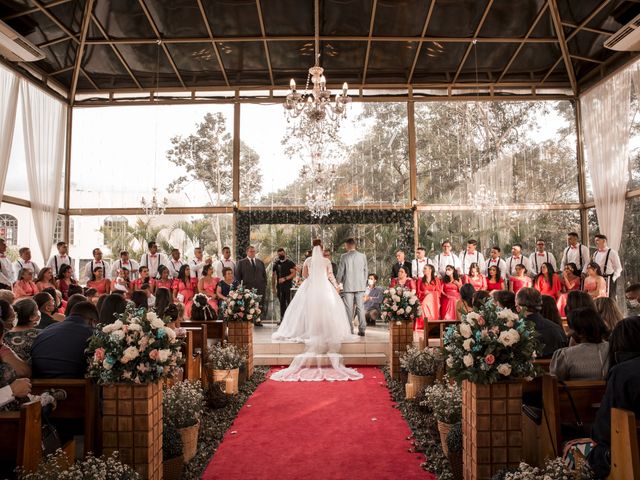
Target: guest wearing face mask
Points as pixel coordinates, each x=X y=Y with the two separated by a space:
x=21 y=337
x=632 y=295
x=284 y=271
x=372 y=300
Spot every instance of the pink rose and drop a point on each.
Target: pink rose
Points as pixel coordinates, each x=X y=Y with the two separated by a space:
x=99 y=354
x=153 y=354
x=481 y=321
x=240 y=314
x=489 y=359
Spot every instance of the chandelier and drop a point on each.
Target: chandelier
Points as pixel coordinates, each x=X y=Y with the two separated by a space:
x=482 y=198
x=154 y=207
x=316 y=119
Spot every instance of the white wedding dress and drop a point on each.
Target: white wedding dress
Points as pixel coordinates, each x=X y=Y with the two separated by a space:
x=316 y=317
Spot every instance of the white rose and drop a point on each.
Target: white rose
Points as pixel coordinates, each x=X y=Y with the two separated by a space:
x=106 y=365
x=399 y=289
x=151 y=315
x=467 y=344
x=408 y=310
x=163 y=354
x=406 y=294
x=135 y=327
x=249 y=317
x=171 y=334
x=400 y=311
x=412 y=301
x=130 y=353
x=396 y=298
x=472 y=317
x=157 y=323
x=252 y=311
x=394 y=307
x=509 y=337
x=465 y=330
x=118 y=335
x=504 y=369
x=467 y=360
x=506 y=315
x=450 y=362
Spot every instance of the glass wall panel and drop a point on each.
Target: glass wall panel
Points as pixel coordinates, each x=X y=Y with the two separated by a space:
x=634 y=143
x=17 y=228
x=120 y=153
x=371 y=151
x=502 y=228
x=516 y=152
x=630 y=247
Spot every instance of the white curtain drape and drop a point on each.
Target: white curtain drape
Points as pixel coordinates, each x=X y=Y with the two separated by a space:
x=605 y=128
x=44 y=120
x=9 y=85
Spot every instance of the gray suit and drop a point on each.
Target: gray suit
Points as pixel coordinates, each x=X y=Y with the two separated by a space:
x=353 y=273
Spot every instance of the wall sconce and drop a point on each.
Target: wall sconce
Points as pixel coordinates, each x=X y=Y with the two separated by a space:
x=234 y=204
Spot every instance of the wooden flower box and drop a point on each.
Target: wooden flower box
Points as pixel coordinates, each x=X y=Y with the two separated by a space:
x=241 y=335
x=400 y=336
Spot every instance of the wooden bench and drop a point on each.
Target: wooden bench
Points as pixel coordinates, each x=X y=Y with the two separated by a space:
x=192 y=358
x=82 y=403
x=438 y=326
x=543 y=363
x=215 y=328
x=21 y=437
x=199 y=345
x=625 y=458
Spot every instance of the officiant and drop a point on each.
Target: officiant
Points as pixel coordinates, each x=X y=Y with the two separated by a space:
x=284 y=271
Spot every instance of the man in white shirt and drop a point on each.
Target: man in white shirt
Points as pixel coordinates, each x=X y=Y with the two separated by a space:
x=517 y=258
x=575 y=253
x=496 y=260
x=19 y=388
x=25 y=262
x=175 y=263
x=6 y=270
x=197 y=263
x=540 y=256
x=445 y=258
x=62 y=257
x=471 y=255
x=127 y=263
x=87 y=271
x=609 y=262
x=418 y=263
x=225 y=262
x=153 y=259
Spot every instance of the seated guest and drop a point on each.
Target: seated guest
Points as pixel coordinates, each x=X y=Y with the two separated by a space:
x=450 y=293
x=207 y=285
x=594 y=283
x=65 y=280
x=47 y=307
x=45 y=279
x=225 y=286
x=21 y=337
x=446 y=258
x=7 y=315
x=121 y=283
x=623 y=390
x=25 y=286
x=579 y=299
x=401 y=262
x=474 y=277
x=143 y=278
x=59 y=350
x=184 y=288
x=465 y=304
x=164 y=298
x=547 y=281
x=632 y=297
x=173 y=315
x=24 y=261
x=609 y=311
x=494 y=279
x=429 y=289
x=99 y=282
x=551 y=334
x=75 y=289
x=140 y=299
x=588 y=358
x=504 y=299
x=403 y=279
x=479 y=298
x=13 y=390
x=112 y=306
x=58 y=312
x=73 y=299
x=570 y=281
x=550 y=310
x=164 y=278
x=7 y=296
x=520 y=279
x=372 y=299
x=201 y=310
x=92 y=295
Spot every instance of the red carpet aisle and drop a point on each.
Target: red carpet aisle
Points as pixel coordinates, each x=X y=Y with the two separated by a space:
x=318 y=430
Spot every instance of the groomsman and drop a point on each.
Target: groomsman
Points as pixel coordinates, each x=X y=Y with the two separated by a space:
x=197 y=263
x=60 y=259
x=470 y=255
x=401 y=262
x=6 y=270
x=152 y=260
x=97 y=261
x=575 y=252
x=125 y=262
x=225 y=262
x=25 y=262
x=284 y=271
x=418 y=263
x=540 y=256
x=445 y=258
x=516 y=258
x=252 y=273
x=175 y=263
x=496 y=260
x=609 y=262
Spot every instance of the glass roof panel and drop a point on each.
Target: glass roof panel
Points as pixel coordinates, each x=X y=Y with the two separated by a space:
x=122 y=19
x=197 y=63
x=177 y=18
x=402 y=18
x=486 y=61
x=343 y=61
x=245 y=62
x=390 y=61
x=536 y=58
x=544 y=27
x=288 y=17
x=36 y=27
x=501 y=21
x=69 y=14
x=438 y=61
x=456 y=18
x=345 y=17
x=232 y=18
x=102 y=64
x=149 y=64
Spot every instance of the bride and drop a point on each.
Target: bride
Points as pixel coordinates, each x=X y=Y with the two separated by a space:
x=316 y=317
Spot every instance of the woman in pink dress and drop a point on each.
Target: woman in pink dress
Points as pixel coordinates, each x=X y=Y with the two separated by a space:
x=25 y=286
x=475 y=278
x=547 y=281
x=570 y=281
x=143 y=279
x=450 y=293
x=101 y=284
x=494 y=281
x=520 y=279
x=594 y=283
x=164 y=278
x=45 y=279
x=184 y=288
x=404 y=280
x=428 y=290
x=65 y=280
x=208 y=285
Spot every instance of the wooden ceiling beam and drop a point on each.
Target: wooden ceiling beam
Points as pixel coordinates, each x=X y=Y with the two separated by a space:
x=264 y=41
x=564 y=47
x=372 y=20
x=205 y=19
x=86 y=20
x=425 y=27
x=473 y=40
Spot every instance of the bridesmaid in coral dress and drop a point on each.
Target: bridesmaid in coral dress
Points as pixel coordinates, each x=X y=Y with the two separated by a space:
x=45 y=279
x=403 y=279
x=547 y=281
x=570 y=281
x=494 y=282
x=475 y=278
x=164 y=278
x=208 y=284
x=184 y=289
x=594 y=283
x=450 y=293
x=143 y=277
x=520 y=279
x=428 y=290
x=101 y=284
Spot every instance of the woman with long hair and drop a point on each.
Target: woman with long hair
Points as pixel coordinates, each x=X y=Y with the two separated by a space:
x=609 y=311
x=428 y=290
x=164 y=278
x=450 y=293
x=547 y=281
x=184 y=288
x=520 y=279
x=550 y=310
x=475 y=278
x=569 y=282
x=25 y=287
x=144 y=279
x=45 y=279
x=164 y=298
x=494 y=280
x=65 y=280
x=465 y=304
x=101 y=284
x=594 y=283
x=208 y=285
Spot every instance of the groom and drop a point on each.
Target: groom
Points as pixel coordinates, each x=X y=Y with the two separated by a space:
x=353 y=274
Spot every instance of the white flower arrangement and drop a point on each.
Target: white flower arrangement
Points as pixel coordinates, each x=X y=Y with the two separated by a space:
x=445 y=400
x=243 y=305
x=400 y=305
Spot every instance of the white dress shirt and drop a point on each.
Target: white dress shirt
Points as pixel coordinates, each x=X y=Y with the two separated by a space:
x=578 y=255
x=131 y=265
x=6 y=271
x=57 y=261
x=609 y=266
x=512 y=261
x=6 y=395
x=536 y=259
x=20 y=264
x=466 y=259
x=153 y=262
x=195 y=267
x=441 y=261
x=222 y=263
x=417 y=266
x=500 y=263
x=174 y=267
x=87 y=271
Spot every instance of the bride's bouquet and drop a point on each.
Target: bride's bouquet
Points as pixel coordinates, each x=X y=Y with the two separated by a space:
x=243 y=305
x=400 y=304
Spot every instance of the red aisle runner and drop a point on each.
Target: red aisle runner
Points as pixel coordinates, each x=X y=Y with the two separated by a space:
x=318 y=430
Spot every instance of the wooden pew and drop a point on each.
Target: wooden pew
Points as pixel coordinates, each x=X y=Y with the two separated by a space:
x=215 y=328
x=82 y=403
x=439 y=327
x=625 y=458
x=21 y=436
x=543 y=363
x=192 y=359
x=199 y=337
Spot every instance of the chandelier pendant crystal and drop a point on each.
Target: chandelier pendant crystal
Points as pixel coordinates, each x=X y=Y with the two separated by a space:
x=154 y=207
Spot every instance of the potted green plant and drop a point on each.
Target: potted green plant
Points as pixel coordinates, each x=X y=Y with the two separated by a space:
x=454 y=447
x=57 y=466
x=421 y=364
x=172 y=459
x=554 y=468
x=225 y=360
x=182 y=407
x=445 y=401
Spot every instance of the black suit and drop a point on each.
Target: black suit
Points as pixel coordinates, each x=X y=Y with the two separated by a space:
x=396 y=268
x=254 y=275
x=552 y=335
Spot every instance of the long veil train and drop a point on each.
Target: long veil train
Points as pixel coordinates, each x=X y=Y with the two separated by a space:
x=317 y=317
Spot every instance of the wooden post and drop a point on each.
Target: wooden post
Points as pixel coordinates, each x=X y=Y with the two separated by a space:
x=400 y=336
x=241 y=335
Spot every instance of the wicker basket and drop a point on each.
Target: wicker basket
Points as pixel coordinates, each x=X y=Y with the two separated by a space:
x=444 y=428
x=229 y=379
x=189 y=441
x=420 y=382
x=172 y=468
